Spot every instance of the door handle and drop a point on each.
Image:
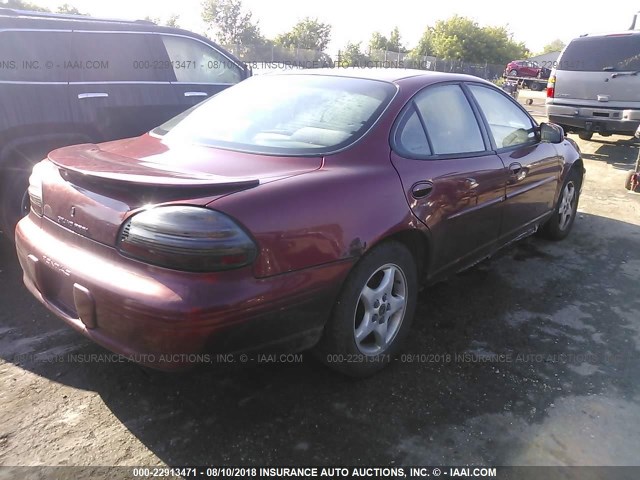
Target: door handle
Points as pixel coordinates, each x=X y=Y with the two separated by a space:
x=195 y=94
x=421 y=190
x=93 y=95
x=517 y=171
x=471 y=183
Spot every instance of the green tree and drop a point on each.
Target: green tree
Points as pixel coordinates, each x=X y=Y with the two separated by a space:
x=378 y=41
x=233 y=25
x=425 y=44
x=395 y=41
x=70 y=9
x=352 y=56
x=460 y=38
x=555 y=46
x=309 y=33
x=499 y=46
x=172 y=21
x=155 y=20
x=22 y=5
x=391 y=44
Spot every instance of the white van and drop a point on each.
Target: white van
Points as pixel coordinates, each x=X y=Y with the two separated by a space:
x=595 y=85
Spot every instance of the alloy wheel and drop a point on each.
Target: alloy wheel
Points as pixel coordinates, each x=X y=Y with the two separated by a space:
x=380 y=310
x=567 y=205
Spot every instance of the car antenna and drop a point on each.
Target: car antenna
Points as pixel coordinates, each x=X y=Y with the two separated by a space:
x=633 y=24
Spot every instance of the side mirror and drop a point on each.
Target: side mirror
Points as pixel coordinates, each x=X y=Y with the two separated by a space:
x=551 y=133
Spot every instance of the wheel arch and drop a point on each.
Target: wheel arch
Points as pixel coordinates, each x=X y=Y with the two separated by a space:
x=417 y=242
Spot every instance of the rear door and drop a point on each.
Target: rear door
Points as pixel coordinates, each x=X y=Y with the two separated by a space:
x=120 y=83
x=602 y=70
x=200 y=70
x=453 y=182
x=33 y=86
x=533 y=167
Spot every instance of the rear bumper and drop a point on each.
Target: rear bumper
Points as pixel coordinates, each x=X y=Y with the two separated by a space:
x=591 y=119
x=162 y=318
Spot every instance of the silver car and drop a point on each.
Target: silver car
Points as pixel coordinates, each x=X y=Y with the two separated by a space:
x=595 y=85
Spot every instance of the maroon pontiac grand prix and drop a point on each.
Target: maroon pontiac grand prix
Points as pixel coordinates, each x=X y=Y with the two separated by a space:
x=291 y=211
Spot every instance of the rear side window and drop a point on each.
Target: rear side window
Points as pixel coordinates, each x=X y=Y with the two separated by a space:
x=596 y=54
x=117 y=57
x=196 y=62
x=450 y=121
x=508 y=124
x=33 y=56
x=410 y=136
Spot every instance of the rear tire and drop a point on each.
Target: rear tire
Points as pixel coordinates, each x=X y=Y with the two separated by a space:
x=14 y=199
x=373 y=313
x=564 y=214
x=585 y=135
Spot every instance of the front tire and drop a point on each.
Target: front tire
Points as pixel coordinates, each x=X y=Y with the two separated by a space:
x=513 y=73
x=564 y=215
x=373 y=313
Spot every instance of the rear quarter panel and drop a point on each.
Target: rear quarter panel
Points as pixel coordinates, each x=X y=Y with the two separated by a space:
x=338 y=212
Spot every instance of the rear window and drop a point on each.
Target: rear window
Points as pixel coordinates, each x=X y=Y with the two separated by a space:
x=284 y=114
x=596 y=54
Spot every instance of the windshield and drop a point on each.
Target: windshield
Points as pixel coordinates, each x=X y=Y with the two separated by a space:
x=284 y=114
x=596 y=54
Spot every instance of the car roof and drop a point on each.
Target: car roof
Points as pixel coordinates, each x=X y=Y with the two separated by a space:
x=618 y=33
x=392 y=75
x=13 y=18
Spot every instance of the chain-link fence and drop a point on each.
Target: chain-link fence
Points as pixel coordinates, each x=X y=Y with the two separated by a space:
x=270 y=57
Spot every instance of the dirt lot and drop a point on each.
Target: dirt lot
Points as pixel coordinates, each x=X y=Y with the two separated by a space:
x=559 y=322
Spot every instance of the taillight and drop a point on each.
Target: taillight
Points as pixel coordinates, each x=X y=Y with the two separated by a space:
x=188 y=238
x=551 y=85
x=35 y=189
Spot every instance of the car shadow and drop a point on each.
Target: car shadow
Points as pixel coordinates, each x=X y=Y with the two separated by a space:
x=503 y=341
x=621 y=154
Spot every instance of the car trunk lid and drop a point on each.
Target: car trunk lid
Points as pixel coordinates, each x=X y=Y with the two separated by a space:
x=90 y=189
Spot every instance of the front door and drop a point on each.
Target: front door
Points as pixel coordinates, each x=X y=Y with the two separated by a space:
x=120 y=83
x=453 y=182
x=200 y=70
x=533 y=167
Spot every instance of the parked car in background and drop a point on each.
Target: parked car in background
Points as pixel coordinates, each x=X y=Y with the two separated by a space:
x=526 y=68
x=305 y=216
x=595 y=87
x=68 y=79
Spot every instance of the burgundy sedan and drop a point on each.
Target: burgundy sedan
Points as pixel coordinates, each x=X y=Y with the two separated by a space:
x=291 y=211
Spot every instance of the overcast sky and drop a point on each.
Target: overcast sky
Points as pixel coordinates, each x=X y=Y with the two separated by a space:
x=535 y=23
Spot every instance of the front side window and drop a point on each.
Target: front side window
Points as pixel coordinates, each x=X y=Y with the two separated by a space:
x=115 y=57
x=195 y=62
x=508 y=124
x=450 y=122
x=284 y=114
